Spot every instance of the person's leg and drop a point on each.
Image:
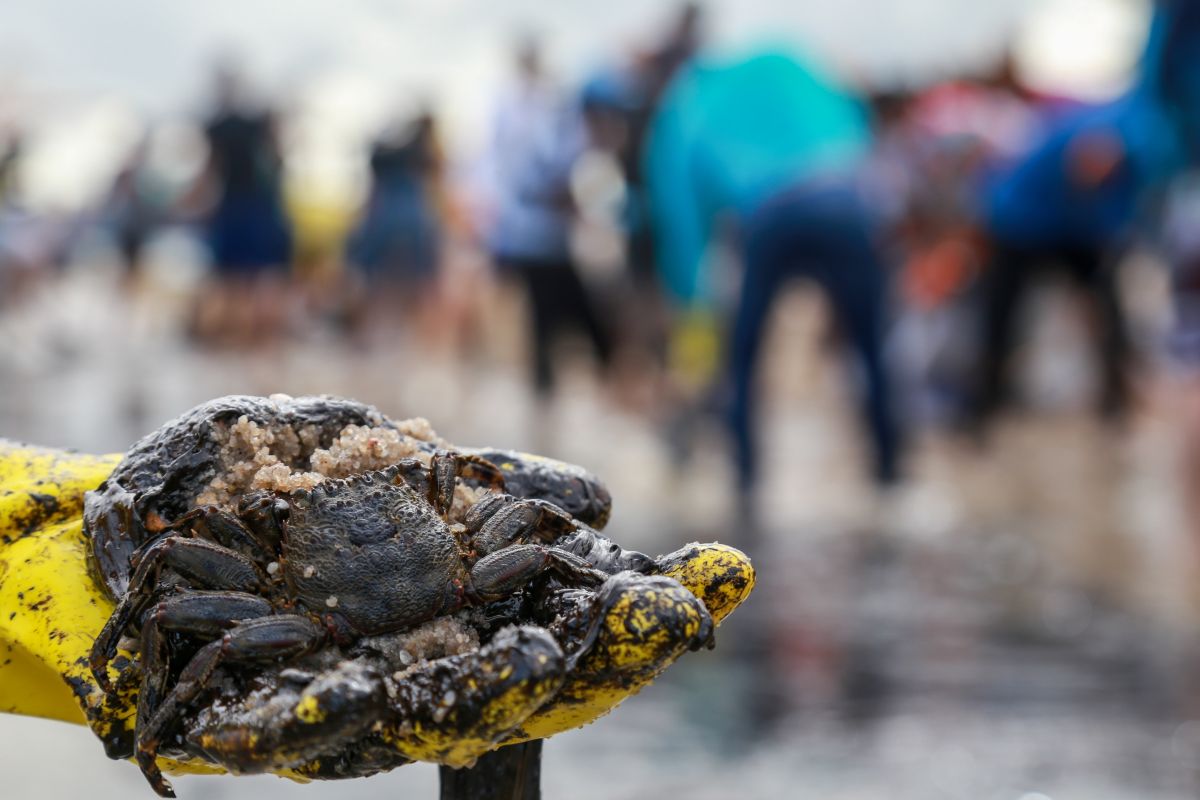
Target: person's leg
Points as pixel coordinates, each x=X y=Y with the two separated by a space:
x=538 y=280
x=1097 y=272
x=822 y=231
x=130 y=243
x=766 y=264
x=854 y=275
x=833 y=234
x=272 y=305
x=244 y=322
x=579 y=306
x=1002 y=287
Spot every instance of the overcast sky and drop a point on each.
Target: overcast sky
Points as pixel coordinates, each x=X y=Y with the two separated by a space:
x=79 y=73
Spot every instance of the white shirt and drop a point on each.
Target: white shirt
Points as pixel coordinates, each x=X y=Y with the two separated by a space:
x=536 y=138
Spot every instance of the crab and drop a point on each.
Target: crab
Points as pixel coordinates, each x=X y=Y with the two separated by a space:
x=165 y=472
x=247 y=662
x=285 y=575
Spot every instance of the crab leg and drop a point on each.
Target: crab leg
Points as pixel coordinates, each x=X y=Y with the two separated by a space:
x=603 y=553
x=155 y=669
x=208 y=613
x=199 y=613
x=448 y=466
x=501 y=520
x=571 y=488
x=498 y=575
x=224 y=528
x=205 y=563
x=255 y=641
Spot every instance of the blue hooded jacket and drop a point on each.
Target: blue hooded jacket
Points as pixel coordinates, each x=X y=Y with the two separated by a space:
x=1035 y=202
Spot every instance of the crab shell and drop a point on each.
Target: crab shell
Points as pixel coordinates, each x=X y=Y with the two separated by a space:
x=164 y=471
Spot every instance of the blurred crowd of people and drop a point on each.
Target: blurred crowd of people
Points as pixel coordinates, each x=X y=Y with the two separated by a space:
x=659 y=209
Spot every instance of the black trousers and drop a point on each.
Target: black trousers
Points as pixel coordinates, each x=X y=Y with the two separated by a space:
x=558 y=302
x=1011 y=273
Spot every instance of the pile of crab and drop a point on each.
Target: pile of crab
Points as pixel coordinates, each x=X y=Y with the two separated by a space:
x=303 y=585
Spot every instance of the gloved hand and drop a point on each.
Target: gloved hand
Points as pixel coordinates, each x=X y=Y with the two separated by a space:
x=53 y=608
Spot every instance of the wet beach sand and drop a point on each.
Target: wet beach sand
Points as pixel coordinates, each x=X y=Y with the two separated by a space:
x=1016 y=623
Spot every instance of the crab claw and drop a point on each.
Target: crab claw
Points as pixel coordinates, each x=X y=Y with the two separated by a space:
x=573 y=489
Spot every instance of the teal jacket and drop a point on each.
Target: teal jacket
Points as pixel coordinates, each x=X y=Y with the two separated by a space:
x=729 y=134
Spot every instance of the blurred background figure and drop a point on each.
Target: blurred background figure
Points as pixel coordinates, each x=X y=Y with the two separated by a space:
x=667 y=375
x=32 y=244
x=652 y=73
x=397 y=244
x=10 y=268
x=933 y=148
x=247 y=228
x=1173 y=79
x=136 y=205
x=1074 y=199
x=772 y=147
x=10 y=155
x=536 y=136
x=1181 y=241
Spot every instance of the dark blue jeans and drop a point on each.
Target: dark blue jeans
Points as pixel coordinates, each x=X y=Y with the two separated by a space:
x=821 y=232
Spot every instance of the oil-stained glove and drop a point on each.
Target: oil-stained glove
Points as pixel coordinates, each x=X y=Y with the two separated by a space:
x=343 y=712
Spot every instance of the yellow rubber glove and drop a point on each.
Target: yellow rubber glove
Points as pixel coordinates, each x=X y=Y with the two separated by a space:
x=694 y=350
x=51 y=610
